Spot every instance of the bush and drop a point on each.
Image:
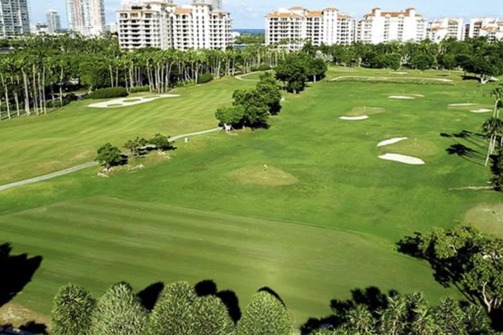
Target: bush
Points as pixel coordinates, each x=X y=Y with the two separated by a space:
x=138 y=89
x=110 y=92
x=261 y=67
x=205 y=78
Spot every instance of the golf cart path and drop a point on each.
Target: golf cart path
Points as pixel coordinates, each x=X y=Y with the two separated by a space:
x=89 y=164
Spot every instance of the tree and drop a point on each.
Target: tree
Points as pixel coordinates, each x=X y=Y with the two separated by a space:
x=119 y=312
x=293 y=73
x=174 y=312
x=109 y=155
x=71 y=314
x=265 y=314
x=256 y=110
x=134 y=145
x=231 y=115
x=212 y=317
x=269 y=88
x=161 y=142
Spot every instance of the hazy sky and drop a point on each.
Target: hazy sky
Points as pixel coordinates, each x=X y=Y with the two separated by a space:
x=250 y=13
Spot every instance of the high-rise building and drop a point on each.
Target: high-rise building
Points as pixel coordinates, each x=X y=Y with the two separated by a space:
x=86 y=17
x=291 y=28
x=491 y=28
x=14 y=18
x=446 y=28
x=162 y=24
x=379 y=26
x=53 y=22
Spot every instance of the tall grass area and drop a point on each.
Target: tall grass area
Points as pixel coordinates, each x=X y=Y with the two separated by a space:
x=305 y=207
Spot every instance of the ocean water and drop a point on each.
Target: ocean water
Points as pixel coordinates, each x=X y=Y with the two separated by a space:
x=250 y=31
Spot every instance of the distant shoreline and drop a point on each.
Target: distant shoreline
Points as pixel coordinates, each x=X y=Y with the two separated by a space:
x=250 y=31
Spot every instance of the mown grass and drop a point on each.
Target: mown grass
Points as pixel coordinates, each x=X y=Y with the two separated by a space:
x=331 y=227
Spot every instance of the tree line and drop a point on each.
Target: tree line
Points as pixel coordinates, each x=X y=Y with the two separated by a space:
x=476 y=56
x=37 y=72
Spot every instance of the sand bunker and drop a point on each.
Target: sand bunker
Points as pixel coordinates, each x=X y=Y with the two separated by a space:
x=462 y=105
x=401 y=97
x=418 y=95
x=482 y=110
x=124 y=102
x=354 y=118
x=399 y=73
x=391 y=141
x=402 y=159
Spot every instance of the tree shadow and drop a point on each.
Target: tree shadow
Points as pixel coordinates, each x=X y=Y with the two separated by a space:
x=150 y=294
x=17 y=271
x=371 y=297
x=446 y=272
x=464 y=151
x=208 y=287
x=34 y=328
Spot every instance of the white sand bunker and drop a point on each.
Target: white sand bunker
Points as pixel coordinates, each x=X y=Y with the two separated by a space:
x=354 y=118
x=401 y=97
x=462 y=105
x=418 y=95
x=399 y=73
x=391 y=141
x=402 y=159
x=124 y=102
x=482 y=110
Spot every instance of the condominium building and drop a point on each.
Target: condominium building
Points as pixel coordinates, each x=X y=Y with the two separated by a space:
x=86 y=17
x=162 y=24
x=14 y=18
x=446 y=28
x=53 y=22
x=379 y=26
x=291 y=28
x=491 y=28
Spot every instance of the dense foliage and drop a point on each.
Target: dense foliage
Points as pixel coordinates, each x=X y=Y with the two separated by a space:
x=108 y=93
x=299 y=68
x=205 y=78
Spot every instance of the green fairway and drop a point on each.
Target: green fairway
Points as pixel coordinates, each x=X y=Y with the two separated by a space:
x=305 y=207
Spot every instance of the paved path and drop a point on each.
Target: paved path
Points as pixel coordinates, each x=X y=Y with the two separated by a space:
x=89 y=164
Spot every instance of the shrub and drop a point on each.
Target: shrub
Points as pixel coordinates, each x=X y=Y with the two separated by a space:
x=110 y=92
x=261 y=67
x=205 y=78
x=138 y=89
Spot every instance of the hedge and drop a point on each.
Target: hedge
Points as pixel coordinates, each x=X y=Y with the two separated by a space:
x=205 y=78
x=110 y=92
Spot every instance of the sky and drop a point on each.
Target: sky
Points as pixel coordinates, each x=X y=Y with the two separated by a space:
x=250 y=13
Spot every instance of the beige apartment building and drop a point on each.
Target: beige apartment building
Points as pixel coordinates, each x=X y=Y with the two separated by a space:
x=446 y=28
x=86 y=17
x=162 y=24
x=491 y=28
x=290 y=28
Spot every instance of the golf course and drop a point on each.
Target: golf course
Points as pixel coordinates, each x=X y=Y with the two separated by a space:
x=312 y=207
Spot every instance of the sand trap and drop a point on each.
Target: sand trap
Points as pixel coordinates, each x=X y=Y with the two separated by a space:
x=354 y=118
x=124 y=102
x=391 y=141
x=418 y=95
x=482 y=110
x=401 y=97
x=399 y=73
x=402 y=159
x=462 y=104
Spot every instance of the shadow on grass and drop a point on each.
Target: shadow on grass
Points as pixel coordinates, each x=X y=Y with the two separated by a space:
x=372 y=298
x=464 y=143
x=229 y=298
x=16 y=272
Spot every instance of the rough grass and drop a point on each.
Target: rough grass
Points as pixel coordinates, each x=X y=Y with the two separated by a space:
x=332 y=231
x=487 y=217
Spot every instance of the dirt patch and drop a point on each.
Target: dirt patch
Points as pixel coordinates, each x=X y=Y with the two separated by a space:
x=486 y=217
x=16 y=315
x=263 y=175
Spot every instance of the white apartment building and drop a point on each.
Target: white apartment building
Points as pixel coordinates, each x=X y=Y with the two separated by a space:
x=162 y=24
x=14 y=18
x=485 y=27
x=86 y=17
x=291 y=28
x=53 y=22
x=446 y=28
x=380 y=26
